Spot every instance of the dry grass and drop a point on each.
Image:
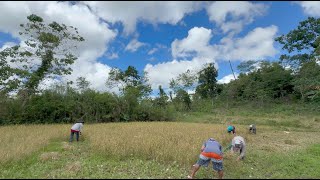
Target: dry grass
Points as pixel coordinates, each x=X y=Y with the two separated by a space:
x=49 y=156
x=73 y=167
x=18 y=141
x=171 y=141
x=162 y=141
x=282 y=141
x=67 y=147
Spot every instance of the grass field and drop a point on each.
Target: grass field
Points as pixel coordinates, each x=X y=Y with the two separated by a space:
x=157 y=150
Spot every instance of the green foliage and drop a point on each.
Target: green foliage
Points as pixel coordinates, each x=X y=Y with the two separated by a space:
x=269 y=82
x=247 y=66
x=185 y=81
x=82 y=83
x=182 y=100
x=307 y=81
x=48 y=54
x=162 y=100
x=129 y=79
x=207 y=87
x=302 y=43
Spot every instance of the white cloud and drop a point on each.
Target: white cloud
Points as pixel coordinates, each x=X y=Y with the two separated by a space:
x=257 y=44
x=7 y=45
x=195 y=44
x=129 y=13
x=162 y=73
x=233 y=15
x=227 y=79
x=157 y=48
x=96 y=33
x=112 y=56
x=196 y=50
x=191 y=52
x=134 y=45
x=153 y=50
x=311 y=8
x=96 y=74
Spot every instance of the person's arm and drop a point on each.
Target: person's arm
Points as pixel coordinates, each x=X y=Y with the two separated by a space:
x=221 y=150
x=228 y=148
x=81 y=126
x=232 y=145
x=202 y=148
x=243 y=152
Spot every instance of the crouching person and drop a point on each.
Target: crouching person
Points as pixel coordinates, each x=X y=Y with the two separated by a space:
x=211 y=150
x=239 y=145
x=252 y=128
x=76 y=129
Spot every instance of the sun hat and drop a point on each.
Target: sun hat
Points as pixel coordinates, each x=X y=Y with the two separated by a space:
x=237 y=143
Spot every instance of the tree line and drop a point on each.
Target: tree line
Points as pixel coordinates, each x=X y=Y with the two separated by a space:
x=49 y=49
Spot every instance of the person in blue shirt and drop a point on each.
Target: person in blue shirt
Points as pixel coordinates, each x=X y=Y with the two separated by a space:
x=211 y=150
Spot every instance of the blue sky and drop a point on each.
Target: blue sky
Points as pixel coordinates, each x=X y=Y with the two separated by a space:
x=164 y=38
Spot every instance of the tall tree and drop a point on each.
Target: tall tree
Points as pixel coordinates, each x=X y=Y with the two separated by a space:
x=207 y=87
x=162 y=99
x=302 y=44
x=307 y=81
x=185 y=81
x=46 y=52
x=82 y=83
x=127 y=79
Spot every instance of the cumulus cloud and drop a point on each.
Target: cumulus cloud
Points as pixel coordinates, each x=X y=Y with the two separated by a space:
x=190 y=52
x=195 y=51
x=231 y=16
x=311 y=8
x=257 y=44
x=162 y=73
x=96 y=74
x=195 y=44
x=130 y=13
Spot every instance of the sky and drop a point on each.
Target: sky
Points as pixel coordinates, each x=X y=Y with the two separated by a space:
x=162 y=38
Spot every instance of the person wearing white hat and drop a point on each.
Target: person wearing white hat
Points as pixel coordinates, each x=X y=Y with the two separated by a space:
x=252 y=128
x=238 y=145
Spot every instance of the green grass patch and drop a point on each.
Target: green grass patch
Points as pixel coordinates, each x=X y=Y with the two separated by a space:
x=295 y=165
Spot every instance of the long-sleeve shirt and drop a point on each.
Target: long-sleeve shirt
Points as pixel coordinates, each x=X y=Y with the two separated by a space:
x=77 y=127
x=242 y=147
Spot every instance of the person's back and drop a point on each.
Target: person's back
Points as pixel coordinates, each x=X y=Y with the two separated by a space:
x=77 y=127
x=211 y=150
x=212 y=146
